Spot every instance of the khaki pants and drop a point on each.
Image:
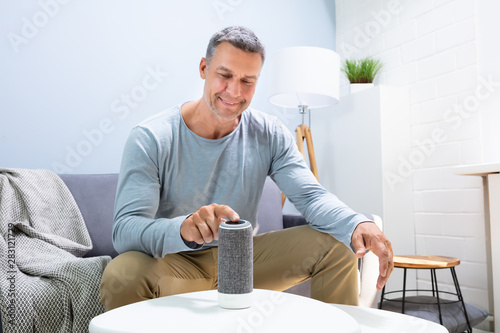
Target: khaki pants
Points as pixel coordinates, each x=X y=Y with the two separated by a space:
x=282 y=259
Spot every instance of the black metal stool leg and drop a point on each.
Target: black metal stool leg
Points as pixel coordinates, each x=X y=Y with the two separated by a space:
x=434 y=278
x=432 y=284
x=381 y=298
x=460 y=298
x=404 y=291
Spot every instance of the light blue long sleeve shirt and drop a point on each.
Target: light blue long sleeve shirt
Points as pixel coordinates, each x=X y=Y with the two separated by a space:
x=169 y=172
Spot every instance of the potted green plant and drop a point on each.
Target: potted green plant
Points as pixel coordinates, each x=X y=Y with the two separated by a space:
x=361 y=73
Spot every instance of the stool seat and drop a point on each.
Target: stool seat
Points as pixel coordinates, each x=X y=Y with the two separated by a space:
x=426 y=262
x=453 y=314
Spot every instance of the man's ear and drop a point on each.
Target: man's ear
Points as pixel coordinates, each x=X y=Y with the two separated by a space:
x=203 y=68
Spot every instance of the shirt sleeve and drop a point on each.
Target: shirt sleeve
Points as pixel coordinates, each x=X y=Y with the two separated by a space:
x=135 y=227
x=322 y=209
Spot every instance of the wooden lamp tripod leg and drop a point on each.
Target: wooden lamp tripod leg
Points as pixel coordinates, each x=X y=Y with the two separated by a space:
x=304 y=132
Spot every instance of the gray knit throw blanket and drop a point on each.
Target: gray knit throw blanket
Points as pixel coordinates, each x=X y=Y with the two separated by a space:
x=45 y=285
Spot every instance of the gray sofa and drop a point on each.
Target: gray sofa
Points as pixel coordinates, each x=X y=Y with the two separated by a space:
x=95 y=196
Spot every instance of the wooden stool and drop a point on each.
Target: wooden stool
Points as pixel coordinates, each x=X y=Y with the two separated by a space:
x=432 y=263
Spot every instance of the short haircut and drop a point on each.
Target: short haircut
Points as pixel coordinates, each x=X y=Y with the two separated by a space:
x=240 y=37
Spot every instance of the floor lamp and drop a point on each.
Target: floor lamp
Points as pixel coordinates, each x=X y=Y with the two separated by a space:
x=306 y=78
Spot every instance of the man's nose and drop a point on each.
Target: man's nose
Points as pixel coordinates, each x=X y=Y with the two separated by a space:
x=234 y=88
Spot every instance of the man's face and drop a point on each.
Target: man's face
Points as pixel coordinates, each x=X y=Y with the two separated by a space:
x=230 y=80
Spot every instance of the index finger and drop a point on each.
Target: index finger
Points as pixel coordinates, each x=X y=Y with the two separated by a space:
x=222 y=211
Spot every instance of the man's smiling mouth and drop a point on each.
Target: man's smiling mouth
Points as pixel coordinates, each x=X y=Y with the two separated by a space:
x=228 y=103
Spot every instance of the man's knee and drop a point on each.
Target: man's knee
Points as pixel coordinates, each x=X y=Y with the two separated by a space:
x=319 y=249
x=124 y=278
x=334 y=277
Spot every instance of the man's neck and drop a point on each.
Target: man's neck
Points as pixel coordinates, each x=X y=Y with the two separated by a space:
x=203 y=122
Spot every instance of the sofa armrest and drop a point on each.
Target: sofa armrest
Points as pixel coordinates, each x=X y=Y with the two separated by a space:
x=368 y=273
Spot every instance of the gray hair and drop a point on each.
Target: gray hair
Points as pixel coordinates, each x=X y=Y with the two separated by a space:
x=240 y=37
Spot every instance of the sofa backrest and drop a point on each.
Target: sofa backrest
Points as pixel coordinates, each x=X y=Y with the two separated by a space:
x=95 y=196
x=270 y=214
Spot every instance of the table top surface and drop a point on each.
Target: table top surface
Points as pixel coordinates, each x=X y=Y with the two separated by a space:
x=271 y=311
x=482 y=169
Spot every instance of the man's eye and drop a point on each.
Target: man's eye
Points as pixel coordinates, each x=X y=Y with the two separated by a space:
x=225 y=76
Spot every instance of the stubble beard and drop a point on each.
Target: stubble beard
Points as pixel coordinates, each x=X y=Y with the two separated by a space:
x=218 y=114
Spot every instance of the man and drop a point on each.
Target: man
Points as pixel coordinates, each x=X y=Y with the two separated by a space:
x=186 y=169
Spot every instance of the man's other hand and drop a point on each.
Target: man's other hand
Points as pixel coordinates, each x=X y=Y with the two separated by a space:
x=367 y=236
x=203 y=226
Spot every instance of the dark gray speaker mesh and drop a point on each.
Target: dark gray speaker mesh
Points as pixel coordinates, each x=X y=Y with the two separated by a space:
x=235 y=257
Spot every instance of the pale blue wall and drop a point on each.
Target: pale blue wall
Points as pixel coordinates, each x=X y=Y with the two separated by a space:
x=66 y=68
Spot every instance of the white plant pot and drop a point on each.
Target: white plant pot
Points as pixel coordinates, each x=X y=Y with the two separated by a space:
x=357 y=87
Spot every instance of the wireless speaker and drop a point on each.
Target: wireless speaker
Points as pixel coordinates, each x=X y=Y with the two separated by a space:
x=235 y=270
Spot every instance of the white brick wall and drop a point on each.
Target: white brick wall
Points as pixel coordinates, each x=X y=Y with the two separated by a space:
x=429 y=46
x=418 y=48
x=457 y=81
x=455 y=35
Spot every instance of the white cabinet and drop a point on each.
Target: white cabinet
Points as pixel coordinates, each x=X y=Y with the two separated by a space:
x=364 y=156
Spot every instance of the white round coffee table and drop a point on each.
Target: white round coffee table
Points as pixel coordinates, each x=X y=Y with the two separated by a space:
x=271 y=311
x=377 y=321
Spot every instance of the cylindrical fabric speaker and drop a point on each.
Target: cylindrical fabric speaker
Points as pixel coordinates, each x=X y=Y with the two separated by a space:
x=235 y=270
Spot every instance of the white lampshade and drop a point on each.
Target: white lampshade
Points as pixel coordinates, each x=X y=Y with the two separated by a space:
x=304 y=75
